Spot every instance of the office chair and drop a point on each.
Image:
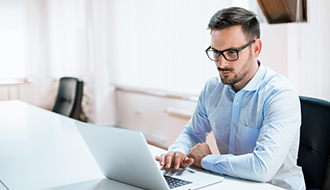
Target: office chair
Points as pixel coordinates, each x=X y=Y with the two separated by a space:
x=314 y=149
x=69 y=97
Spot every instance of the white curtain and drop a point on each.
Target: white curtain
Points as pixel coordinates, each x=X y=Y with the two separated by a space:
x=160 y=44
x=58 y=44
x=12 y=43
x=67 y=37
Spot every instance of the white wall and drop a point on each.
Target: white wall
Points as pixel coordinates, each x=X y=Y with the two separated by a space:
x=274 y=52
x=298 y=50
x=312 y=63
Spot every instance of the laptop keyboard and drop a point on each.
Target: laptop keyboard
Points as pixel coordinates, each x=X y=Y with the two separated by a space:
x=175 y=182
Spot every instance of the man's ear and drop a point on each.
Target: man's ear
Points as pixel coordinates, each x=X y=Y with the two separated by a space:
x=257 y=45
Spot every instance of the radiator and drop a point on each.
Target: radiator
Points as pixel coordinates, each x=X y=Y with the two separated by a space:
x=178 y=113
x=177 y=118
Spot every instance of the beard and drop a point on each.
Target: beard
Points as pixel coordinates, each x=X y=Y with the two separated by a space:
x=229 y=79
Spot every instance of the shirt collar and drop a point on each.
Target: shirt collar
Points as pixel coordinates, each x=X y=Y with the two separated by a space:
x=255 y=82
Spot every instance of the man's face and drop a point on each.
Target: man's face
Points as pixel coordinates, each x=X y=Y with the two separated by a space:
x=236 y=73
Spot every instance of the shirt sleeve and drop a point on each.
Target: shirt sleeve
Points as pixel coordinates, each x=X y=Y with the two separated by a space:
x=196 y=130
x=281 y=124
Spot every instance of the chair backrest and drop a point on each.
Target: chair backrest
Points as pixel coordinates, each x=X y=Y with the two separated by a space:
x=314 y=149
x=69 y=97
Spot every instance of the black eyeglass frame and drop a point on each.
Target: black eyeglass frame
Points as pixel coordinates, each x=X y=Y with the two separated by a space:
x=221 y=52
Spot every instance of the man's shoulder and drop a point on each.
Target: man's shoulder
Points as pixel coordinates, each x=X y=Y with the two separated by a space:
x=275 y=81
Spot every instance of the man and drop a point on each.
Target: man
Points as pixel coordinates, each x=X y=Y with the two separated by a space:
x=253 y=112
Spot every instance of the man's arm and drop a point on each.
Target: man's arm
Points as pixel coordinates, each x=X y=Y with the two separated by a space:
x=281 y=124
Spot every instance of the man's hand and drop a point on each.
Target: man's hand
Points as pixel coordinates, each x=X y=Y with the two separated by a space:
x=198 y=152
x=174 y=158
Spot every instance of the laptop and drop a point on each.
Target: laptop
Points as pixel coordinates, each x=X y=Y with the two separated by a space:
x=124 y=156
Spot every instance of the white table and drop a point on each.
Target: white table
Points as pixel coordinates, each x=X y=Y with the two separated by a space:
x=40 y=149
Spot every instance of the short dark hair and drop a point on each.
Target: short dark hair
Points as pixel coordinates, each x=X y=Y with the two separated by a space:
x=236 y=16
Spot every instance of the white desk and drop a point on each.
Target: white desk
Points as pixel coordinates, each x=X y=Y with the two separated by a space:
x=43 y=150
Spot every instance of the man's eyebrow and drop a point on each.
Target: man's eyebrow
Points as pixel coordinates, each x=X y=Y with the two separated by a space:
x=224 y=50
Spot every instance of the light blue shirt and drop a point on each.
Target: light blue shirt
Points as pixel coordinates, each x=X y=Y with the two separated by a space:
x=257 y=129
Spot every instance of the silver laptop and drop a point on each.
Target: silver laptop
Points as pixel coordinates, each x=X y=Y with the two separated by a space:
x=123 y=155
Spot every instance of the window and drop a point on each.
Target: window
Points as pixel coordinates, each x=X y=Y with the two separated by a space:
x=12 y=45
x=12 y=54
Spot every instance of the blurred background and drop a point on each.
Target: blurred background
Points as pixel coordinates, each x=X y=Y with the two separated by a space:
x=143 y=61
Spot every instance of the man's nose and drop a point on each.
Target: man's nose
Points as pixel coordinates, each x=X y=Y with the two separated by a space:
x=222 y=63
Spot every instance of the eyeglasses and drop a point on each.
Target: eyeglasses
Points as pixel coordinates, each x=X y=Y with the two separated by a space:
x=228 y=54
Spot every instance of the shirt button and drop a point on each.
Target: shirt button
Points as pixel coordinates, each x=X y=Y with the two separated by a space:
x=233 y=125
x=231 y=148
x=236 y=103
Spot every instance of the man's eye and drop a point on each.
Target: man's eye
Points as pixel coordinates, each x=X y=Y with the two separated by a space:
x=231 y=52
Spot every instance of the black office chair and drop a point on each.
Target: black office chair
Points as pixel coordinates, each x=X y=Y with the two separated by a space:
x=314 y=149
x=69 y=97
